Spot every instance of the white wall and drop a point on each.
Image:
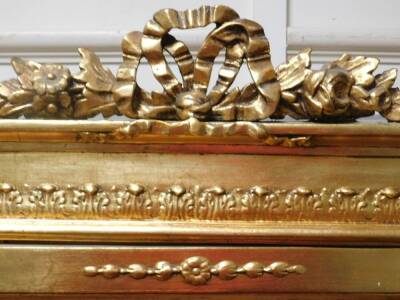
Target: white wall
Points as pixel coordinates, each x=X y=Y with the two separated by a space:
x=367 y=27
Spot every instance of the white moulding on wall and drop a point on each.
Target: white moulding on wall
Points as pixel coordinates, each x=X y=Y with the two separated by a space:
x=61 y=47
x=329 y=44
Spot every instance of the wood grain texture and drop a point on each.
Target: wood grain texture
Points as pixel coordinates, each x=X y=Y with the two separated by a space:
x=280 y=296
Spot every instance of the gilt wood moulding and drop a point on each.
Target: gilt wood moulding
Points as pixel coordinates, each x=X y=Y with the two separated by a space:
x=283 y=156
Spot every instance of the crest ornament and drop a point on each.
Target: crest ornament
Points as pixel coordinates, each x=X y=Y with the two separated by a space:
x=343 y=90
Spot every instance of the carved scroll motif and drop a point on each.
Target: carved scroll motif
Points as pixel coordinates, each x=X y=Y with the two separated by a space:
x=342 y=90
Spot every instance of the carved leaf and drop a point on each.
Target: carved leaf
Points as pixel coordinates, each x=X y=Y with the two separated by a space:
x=393 y=112
x=93 y=74
x=94 y=103
x=24 y=70
x=8 y=87
x=380 y=96
x=360 y=68
x=14 y=100
x=294 y=72
x=386 y=79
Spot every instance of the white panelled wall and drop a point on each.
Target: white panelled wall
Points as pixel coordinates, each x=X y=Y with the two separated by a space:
x=363 y=27
x=51 y=30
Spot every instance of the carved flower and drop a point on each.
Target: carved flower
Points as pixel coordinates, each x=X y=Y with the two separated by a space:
x=326 y=92
x=50 y=82
x=52 y=104
x=50 y=79
x=196 y=270
x=343 y=89
x=40 y=90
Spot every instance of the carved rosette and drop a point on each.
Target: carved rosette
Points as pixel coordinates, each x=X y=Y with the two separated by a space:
x=342 y=90
x=196 y=270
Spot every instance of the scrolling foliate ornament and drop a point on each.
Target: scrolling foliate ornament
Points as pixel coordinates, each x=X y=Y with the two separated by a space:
x=342 y=90
x=194 y=203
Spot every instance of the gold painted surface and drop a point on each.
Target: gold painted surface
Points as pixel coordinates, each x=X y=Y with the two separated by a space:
x=60 y=269
x=228 y=171
x=342 y=90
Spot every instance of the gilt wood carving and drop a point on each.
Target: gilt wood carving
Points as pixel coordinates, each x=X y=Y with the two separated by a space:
x=196 y=270
x=194 y=110
x=342 y=90
x=179 y=203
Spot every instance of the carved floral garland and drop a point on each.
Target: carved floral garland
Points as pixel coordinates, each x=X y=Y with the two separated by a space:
x=344 y=89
